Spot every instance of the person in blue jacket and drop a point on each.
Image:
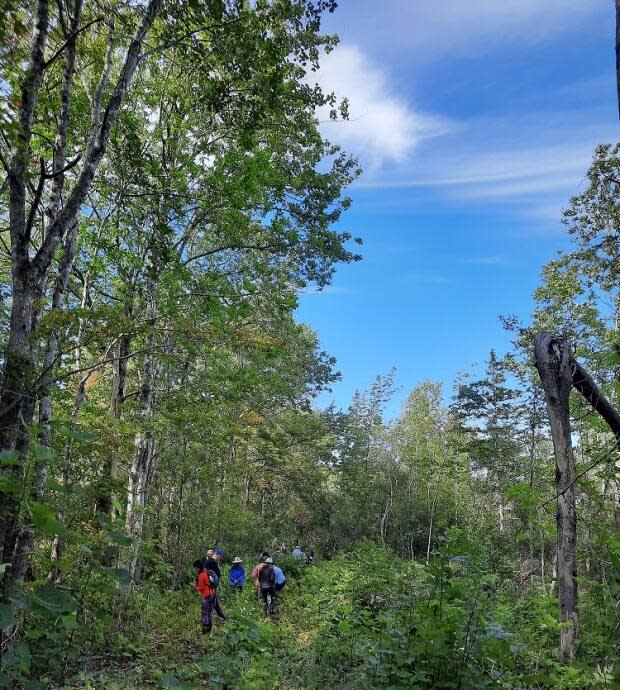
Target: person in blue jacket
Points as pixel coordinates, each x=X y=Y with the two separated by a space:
x=280 y=578
x=236 y=576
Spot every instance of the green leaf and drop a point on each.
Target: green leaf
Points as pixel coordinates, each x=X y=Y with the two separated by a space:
x=52 y=598
x=10 y=457
x=121 y=574
x=42 y=453
x=44 y=518
x=69 y=621
x=9 y=486
x=171 y=683
x=78 y=435
x=55 y=485
x=120 y=538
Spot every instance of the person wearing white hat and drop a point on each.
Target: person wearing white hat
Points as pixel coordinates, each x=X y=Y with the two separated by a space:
x=236 y=575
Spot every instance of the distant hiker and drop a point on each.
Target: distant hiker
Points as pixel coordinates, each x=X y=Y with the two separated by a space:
x=255 y=572
x=212 y=563
x=298 y=553
x=236 y=575
x=206 y=587
x=310 y=558
x=280 y=580
x=267 y=584
x=218 y=555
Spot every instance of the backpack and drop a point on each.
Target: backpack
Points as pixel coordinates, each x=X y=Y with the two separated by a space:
x=214 y=580
x=267 y=576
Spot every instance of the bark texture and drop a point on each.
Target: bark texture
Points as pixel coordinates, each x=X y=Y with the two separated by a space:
x=555 y=366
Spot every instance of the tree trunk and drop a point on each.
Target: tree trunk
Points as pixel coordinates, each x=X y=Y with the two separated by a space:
x=67 y=463
x=30 y=276
x=386 y=513
x=553 y=361
x=143 y=454
x=430 y=530
x=25 y=540
x=105 y=502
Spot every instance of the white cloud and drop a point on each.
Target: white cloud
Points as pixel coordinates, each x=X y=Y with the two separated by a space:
x=476 y=24
x=496 y=160
x=382 y=128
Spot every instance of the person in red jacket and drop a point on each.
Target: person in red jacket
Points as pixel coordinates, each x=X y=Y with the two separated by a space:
x=207 y=593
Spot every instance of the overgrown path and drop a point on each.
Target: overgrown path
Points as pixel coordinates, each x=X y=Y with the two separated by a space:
x=363 y=621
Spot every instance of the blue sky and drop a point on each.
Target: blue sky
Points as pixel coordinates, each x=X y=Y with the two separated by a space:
x=475 y=122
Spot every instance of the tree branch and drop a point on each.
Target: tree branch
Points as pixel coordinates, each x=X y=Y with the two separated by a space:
x=98 y=143
x=21 y=150
x=584 y=383
x=72 y=36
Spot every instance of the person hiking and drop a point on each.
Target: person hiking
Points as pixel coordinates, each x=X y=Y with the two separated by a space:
x=213 y=564
x=267 y=584
x=236 y=575
x=310 y=558
x=204 y=585
x=298 y=553
x=280 y=580
x=256 y=571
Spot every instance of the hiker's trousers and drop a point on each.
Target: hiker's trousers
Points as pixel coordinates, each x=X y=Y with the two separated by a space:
x=208 y=604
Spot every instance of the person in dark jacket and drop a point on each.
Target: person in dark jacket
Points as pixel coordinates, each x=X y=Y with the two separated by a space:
x=236 y=575
x=212 y=563
x=267 y=584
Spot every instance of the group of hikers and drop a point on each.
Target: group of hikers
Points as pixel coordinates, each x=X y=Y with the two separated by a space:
x=268 y=578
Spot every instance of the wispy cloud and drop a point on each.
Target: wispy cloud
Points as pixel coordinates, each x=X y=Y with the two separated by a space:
x=495 y=161
x=382 y=127
x=432 y=30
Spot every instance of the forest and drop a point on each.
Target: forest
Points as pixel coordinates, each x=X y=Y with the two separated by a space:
x=166 y=194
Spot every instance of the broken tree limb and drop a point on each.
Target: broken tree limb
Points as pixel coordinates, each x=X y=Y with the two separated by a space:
x=583 y=382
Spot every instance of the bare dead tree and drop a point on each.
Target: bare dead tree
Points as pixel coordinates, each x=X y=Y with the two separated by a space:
x=559 y=373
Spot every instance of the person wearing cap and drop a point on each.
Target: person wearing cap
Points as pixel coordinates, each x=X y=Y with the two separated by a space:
x=267 y=584
x=212 y=563
x=236 y=575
